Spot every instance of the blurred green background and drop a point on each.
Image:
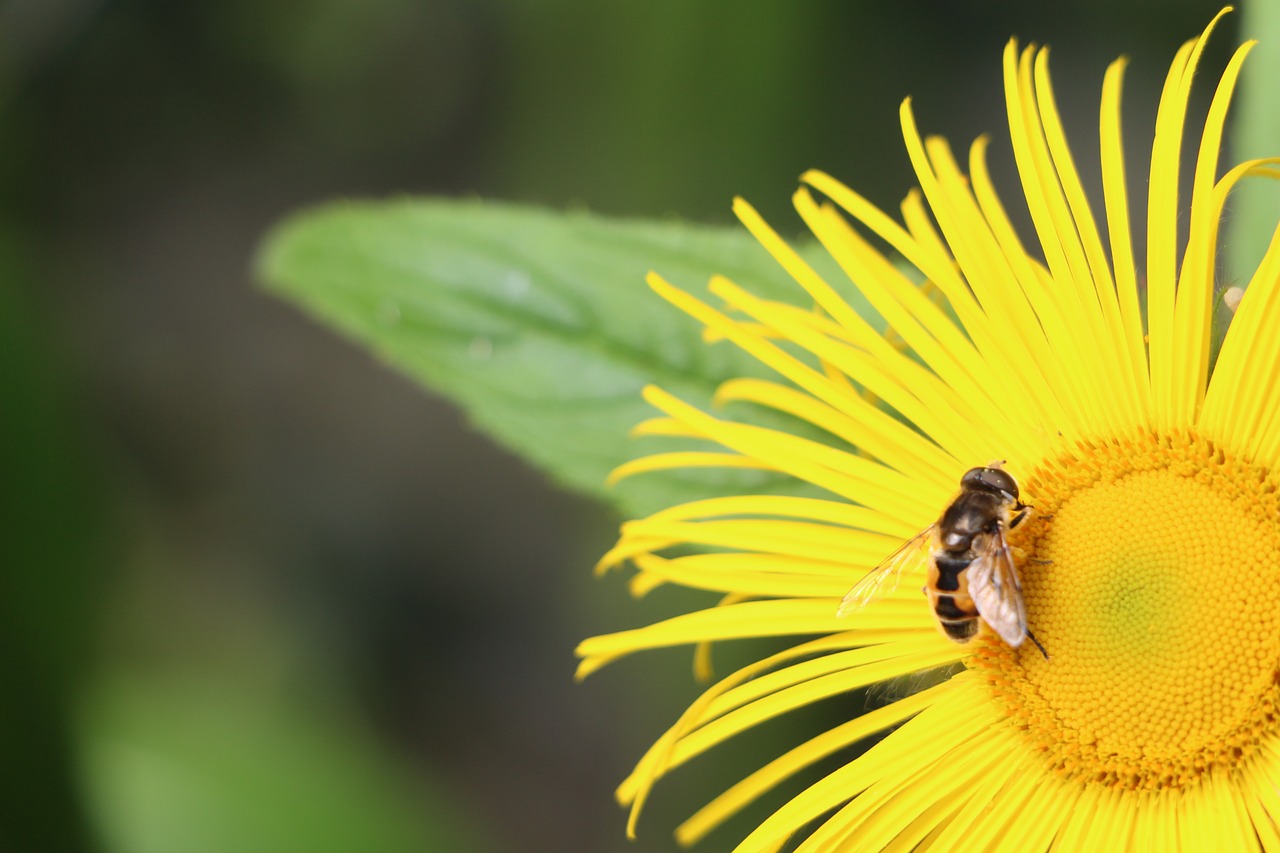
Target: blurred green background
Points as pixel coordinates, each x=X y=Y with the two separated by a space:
x=261 y=594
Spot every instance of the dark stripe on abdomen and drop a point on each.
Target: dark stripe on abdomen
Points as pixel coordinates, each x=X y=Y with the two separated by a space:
x=961 y=632
x=949 y=570
x=946 y=608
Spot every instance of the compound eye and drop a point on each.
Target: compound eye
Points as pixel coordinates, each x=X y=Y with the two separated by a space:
x=994 y=478
x=990 y=480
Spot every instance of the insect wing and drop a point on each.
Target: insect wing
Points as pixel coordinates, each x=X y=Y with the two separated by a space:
x=996 y=590
x=883 y=579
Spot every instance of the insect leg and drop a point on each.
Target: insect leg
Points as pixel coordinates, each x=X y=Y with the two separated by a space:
x=1032 y=638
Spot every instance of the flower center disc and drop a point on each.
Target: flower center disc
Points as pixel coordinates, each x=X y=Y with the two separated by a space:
x=1160 y=611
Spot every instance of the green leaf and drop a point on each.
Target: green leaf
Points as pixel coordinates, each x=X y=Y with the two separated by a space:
x=538 y=324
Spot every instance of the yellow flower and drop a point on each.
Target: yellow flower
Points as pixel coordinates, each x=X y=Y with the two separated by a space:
x=1152 y=567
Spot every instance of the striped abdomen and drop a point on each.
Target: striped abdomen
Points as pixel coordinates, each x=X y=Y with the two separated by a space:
x=948 y=592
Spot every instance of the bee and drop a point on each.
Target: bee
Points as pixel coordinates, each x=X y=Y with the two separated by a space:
x=971 y=570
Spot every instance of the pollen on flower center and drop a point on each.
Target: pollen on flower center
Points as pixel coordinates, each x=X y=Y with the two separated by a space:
x=1160 y=610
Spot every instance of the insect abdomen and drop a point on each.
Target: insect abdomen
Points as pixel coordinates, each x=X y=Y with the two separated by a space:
x=961 y=632
x=949 y=569
x=959 y=622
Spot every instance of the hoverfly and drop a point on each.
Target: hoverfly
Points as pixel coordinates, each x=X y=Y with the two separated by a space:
x=971 y=570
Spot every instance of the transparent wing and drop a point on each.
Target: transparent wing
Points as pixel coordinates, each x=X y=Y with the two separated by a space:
x=883 y=579
x=996 y=590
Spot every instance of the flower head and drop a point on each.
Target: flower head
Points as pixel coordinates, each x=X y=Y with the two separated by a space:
x=1150 y=568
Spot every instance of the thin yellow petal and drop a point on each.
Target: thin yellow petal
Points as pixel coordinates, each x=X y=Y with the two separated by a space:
x=1043 y=368
x=1046 y=812
x=818 y=542
x=930 y=823
x=992 y=272
x=724 y=705
x=1195 y=294
x=842 y=473
x=823 y=294
x=829 y=742
x=1076 y=827
x=1112 y=824
x=1114 y=390
x=767 y=353
x=1006 y=792
x=864 y=426
x=1086 y=373
x=911 y=652
x=986 y=268
x=666 y=427
x=834 y=512
x=635 y=789
x=1263 y=800
x=924 y=328
x=937 y=269
x=685 y=459
x=1250 y=355
x=750 y=619
x=738 y=576
x=752 y=564
x=1162 y=226
x=1237 y=363
x=927 y=763
x=952 y=777
x=732 y=723
x=962 y=712
x=703 y=672
x=1115 y=198
x=863 y=368
x=1162 y=234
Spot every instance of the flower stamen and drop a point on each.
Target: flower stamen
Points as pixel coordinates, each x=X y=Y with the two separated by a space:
x=1161 y=611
